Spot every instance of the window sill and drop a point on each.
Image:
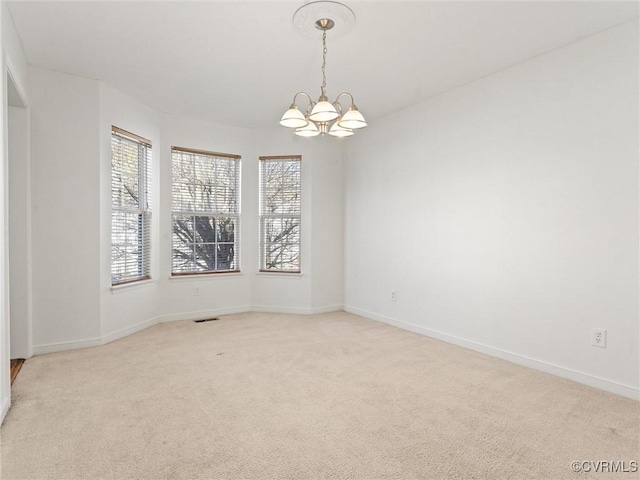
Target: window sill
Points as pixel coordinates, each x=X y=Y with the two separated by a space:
x=288 y=275
x=205 y=276
x=126 y=287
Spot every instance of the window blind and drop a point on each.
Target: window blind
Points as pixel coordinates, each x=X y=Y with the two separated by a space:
x=130 y=207
x=280 y=213
x=205 y=212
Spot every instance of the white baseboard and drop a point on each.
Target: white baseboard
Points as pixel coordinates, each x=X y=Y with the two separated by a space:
x=546 y=367
x=295 y=310
x=203 y=314
x=110 y=337
x=327 y=309
x=277 y=309
x=63 y=346
x=95 y=342
x=6 y=403
x=564 y=372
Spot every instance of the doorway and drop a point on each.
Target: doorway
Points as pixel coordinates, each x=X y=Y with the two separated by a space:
x=19 y=222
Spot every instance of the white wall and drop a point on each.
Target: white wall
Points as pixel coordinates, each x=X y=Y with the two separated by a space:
x=319 y=285
x=5 y=386
x=505 y=213
x=19 y=231
x=14 y=58
x=126 y=309
x=17 y=142
x=14 y=65
x=327 y=225
x=65 y=180
x=218 y=293
x=71 y=132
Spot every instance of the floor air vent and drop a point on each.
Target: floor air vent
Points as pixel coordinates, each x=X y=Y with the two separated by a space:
x=213 y=319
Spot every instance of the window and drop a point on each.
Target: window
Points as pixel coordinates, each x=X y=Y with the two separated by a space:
x=280 y=193
x=130 y=212
x=205 y=212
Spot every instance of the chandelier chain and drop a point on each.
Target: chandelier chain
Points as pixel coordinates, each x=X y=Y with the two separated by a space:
x=324 y=62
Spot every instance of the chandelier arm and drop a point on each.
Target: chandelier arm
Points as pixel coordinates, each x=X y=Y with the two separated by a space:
x=302 y=93
x=311 y=102
x=345 y=93
x=308 y=110
x=337 y=104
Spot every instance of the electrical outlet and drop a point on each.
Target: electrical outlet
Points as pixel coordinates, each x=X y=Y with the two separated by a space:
x=196 y=291
x=599 y=337
x=394 y=296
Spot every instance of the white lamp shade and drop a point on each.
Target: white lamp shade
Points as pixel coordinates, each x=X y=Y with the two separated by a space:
x=309 y=130
x=338 y=131
x=352 y=119
x=293 y=118
x=323 y=112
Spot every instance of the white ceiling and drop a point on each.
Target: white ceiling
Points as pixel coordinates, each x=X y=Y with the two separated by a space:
x=239 y=63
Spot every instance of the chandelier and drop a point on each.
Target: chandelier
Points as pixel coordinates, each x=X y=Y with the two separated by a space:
x=321 y=116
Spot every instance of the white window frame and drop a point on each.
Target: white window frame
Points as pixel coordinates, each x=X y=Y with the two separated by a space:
x=211 y=214
x=143 y=209
x=264 y=215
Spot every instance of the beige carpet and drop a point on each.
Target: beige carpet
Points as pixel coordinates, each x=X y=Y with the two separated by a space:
x=292 y=397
